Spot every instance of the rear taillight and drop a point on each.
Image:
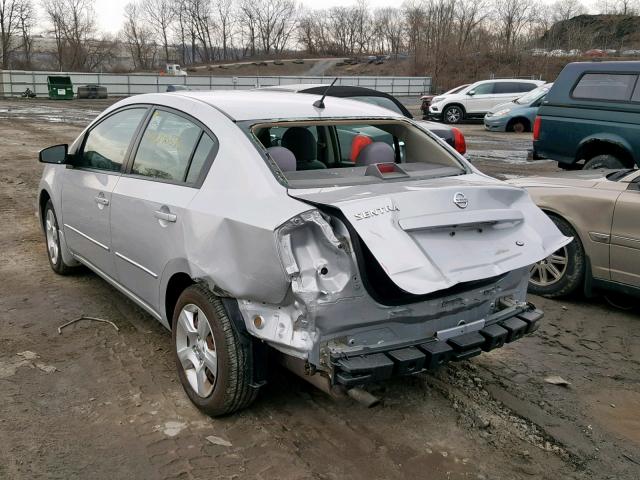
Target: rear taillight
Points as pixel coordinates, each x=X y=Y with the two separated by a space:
x=536 y=128
x=459 y=142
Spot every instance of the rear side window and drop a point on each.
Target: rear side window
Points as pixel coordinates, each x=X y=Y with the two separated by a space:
x=507 y=87
x=107 y=143
x=605 y=86
x=166 y=147
x=526 y=87
x=203 y=153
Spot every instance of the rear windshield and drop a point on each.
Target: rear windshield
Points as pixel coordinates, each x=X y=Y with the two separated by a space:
x=605 y=86
x=352 y=152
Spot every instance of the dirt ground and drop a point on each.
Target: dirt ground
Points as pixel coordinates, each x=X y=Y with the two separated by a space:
x=98 y=403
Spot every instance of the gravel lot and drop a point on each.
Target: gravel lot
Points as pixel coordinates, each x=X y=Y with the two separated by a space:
x=105 y=404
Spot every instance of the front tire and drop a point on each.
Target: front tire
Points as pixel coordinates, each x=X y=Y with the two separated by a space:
x=213 y=362
x=453 y=114
x=604 y=161
x=518 y=125
x=562 y=272
x=52 y=237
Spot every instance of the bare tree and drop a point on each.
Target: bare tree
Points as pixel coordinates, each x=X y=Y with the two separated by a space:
x=566 y=9
x=78 y=42
x=9 y=24
x=26 y=21
x=138 y=38
x=225 y=18
x=389 y=28
x=160 y=15
x=512 y=17
x=469 y=15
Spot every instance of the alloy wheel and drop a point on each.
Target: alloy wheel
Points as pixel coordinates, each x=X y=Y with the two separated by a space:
x=51 y=229
x=196 y=349
x=454 y=115
x=551 y=269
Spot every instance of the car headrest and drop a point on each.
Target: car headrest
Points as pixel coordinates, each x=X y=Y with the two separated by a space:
x=376 y=152
x=301 y=142
x=359 y=142
x=283 y=157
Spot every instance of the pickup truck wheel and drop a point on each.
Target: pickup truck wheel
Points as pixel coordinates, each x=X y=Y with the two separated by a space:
x=562 y=272
x=603 y=161
x=453 y=114
x=52 y=236
x=214 y=365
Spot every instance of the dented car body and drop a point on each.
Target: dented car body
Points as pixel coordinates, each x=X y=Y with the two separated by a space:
x=346 y=237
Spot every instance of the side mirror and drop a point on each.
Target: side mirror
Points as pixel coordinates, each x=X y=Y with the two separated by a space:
x=56 y=154
x=471 y=92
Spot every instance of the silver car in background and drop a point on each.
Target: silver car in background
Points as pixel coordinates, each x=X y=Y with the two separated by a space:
x=352 y=261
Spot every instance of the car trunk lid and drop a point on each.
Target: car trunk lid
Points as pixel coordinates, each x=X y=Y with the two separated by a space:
x=431 y=234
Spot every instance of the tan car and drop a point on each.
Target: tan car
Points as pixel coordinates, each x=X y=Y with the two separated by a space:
x=601 y=210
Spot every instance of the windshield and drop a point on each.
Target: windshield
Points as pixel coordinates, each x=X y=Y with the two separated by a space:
x=304 y=154
x=533 y=95
x=456 y=90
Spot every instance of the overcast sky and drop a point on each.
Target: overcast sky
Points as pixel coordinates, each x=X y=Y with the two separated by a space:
x=109 y=12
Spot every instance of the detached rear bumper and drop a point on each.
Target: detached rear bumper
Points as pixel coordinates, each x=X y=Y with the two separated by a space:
x=460 y=343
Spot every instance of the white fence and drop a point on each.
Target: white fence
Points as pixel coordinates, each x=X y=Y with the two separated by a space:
x=14 y=82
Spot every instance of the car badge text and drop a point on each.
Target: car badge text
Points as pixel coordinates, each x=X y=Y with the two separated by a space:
x=376 y=212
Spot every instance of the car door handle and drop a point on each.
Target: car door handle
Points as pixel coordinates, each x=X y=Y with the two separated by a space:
x=101 y=200
x=167 y=217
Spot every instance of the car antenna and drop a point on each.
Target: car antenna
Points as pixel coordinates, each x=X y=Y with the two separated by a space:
x=320 y=103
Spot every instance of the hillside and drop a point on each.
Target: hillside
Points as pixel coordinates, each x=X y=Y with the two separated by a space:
x=594 y=31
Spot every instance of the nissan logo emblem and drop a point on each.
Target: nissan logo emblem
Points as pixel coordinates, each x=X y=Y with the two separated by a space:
x=460 y=200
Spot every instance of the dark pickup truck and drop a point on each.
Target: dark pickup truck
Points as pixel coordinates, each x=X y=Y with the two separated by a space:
x=591 y=117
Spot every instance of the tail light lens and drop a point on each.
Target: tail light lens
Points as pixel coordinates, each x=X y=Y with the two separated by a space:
x=536 y=128
x=459 y=142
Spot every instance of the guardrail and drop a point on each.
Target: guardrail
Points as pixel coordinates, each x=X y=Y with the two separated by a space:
x=14 y=82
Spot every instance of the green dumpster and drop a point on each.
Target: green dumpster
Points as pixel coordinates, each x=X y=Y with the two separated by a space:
x=60 y=87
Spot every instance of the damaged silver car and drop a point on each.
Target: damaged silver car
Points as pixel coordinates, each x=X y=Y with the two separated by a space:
x=347 y=239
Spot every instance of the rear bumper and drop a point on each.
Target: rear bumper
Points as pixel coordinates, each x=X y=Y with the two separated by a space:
x=503 y=327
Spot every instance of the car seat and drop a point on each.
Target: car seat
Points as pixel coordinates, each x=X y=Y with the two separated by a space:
x=301 y=142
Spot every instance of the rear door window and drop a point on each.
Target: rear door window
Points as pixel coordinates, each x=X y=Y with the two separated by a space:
x=507 y=87
x=166 y=147
x=106 y=145
x=605 y=86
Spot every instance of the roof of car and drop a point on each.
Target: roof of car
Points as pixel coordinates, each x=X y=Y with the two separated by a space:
x=293 y=87
x=339 y=91
x=500 y=80
x=268 y=105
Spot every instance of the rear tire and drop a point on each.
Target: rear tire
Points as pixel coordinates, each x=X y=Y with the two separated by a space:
x=562 y=272
x=205 y=339
x=604 y=161
x=52 y=238
x=453 y=114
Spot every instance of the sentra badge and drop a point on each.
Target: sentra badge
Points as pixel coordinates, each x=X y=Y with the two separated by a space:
x=376 y=211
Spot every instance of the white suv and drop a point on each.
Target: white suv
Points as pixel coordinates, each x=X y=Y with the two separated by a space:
x=474 y=100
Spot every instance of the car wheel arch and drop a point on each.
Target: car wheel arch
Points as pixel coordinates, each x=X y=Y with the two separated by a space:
x=43 y=198
x=550 y=212
x=525 y=121
x=176 y=284
x=455 y=104
x=593 y=147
